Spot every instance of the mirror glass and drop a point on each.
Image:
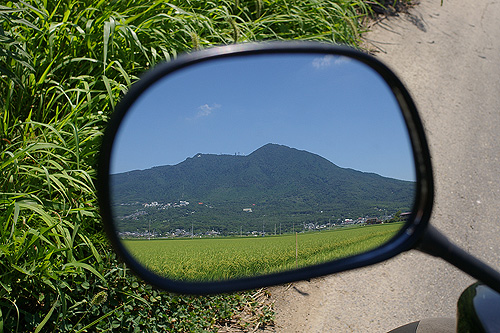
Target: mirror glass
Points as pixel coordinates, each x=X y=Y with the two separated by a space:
x=252 y=165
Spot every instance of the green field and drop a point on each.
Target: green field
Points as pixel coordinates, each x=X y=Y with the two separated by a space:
x=211 y=259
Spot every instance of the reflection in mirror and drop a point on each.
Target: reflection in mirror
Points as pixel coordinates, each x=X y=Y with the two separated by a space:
x=253 y=165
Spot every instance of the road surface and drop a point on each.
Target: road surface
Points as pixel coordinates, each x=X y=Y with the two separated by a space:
x=449 y=58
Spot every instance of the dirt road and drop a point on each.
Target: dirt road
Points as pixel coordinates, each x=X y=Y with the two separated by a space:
x=449 y=58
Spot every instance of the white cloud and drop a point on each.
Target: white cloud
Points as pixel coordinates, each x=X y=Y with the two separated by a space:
x=329 y=60
x=206 y=110
x=322 y=62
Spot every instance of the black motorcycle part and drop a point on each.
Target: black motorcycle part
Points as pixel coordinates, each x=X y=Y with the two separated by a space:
x=478 y=310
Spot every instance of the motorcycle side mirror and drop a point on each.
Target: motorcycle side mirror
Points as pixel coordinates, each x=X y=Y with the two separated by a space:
x=250 y=165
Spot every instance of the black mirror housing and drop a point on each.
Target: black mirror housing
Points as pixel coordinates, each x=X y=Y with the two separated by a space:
x=407 y=236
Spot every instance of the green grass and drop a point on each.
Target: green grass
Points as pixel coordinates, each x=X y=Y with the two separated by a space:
x=212 y=259
x=63 y=67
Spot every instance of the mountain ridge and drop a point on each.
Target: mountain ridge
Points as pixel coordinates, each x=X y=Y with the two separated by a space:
x=271 y=173
x=275 y=184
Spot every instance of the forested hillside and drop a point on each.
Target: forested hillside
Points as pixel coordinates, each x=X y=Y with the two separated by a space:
x=278 y=184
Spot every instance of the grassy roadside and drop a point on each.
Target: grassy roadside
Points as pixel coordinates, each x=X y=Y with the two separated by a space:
x=63 y=66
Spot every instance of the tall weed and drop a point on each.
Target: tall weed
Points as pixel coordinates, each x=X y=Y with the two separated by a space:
x=63 y=67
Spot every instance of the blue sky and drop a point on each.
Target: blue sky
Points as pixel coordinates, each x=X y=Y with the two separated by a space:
x=332 y=106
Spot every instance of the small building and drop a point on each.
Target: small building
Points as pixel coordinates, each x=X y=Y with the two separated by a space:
x=373 y=220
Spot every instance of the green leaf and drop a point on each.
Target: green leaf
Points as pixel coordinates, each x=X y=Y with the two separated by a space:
x=47 y=316
x=22 y=270
x=87 y=267
x=108 y=89
x=45 y=73
x=109 y=28
x=7 y=288
x=1 y=321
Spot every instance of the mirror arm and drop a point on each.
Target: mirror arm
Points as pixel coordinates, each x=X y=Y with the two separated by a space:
x=436 y=244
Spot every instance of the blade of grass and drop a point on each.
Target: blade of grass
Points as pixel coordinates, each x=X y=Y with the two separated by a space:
x=47 y=317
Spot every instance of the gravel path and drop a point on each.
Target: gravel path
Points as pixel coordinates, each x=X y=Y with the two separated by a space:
x=449 y=58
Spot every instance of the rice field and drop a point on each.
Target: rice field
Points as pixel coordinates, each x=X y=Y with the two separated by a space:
x=212 y=259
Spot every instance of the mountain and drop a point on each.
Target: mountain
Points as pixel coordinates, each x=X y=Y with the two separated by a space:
x=273 y=179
